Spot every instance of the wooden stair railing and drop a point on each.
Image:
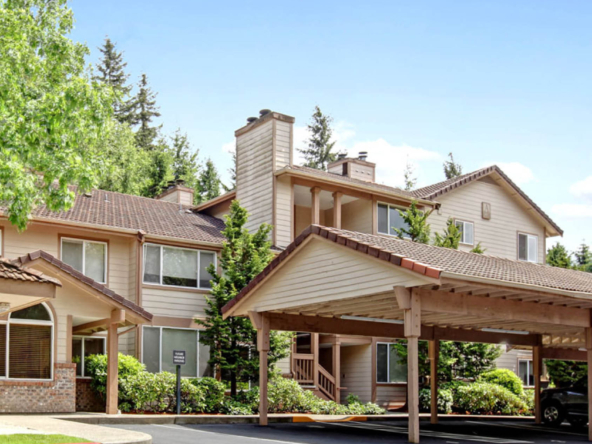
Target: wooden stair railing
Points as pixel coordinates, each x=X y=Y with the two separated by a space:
x=303 y=368
x=327 y=383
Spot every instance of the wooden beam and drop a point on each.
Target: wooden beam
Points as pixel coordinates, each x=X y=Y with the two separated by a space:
x=112 y=362
x=563 y=354
x=434 y=354
x=336 y=370
x=479 y=306
x=413 y=317
x=263 y=346
x=316 y=205
x=403 y=296
x=94 y=325
x=337 y=209
x=412 y=330
x=314 y=350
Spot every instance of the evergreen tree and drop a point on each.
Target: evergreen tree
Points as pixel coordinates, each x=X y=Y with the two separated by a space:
x=243 y=256
x=451 y=236
x=418 y=230
x=160 y=170
x=184 y=161
x=583 y=258
x=410 y=179
x=451 y=168
x=478 y=249
x=557 y=256
x=111 y=67
x=320 y=148
x=146 y=110
x=232 y=172
x=209 y=183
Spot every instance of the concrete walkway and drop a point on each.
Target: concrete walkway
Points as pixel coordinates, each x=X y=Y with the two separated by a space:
x=52 y=425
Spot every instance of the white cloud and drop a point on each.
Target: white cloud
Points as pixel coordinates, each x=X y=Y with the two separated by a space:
x=573 y=211
x=518 y=172
x=583 y=188
x=229 y=147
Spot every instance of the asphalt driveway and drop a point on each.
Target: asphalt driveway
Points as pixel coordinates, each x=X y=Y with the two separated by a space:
x=449 y=432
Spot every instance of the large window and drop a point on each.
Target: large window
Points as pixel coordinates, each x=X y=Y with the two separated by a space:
x=178 y=267
x=389 y=219
x=88 y=257
x=527 y=247
x=83 y=347
x=389 y=366
x=26 y=344
x=525 y=372
x=466 y=232
x=158 y=344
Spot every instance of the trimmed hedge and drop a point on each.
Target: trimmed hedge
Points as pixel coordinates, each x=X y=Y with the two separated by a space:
x=445 y=400
x=488 y=399
x=504 y=377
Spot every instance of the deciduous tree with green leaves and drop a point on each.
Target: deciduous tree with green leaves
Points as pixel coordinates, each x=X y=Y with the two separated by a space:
x=52 y=113
x=418 y=229
x=558 y=256
x=319 y=152
x=232 y=341
x=478 y=249
x=450 y=238
x=451 y=168
x=209 y=183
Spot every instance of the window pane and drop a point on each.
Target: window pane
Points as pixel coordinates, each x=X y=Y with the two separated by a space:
x=204 y=357
x=29 y=352
x=383 y=219
x=397 y=369
x=396 y=221
x=77 y=355
x=461 y=230
x=72 y=254
x=152 y=264
x=95 y=261
x=532 y=248
x=179 y=267
x=36 y=312
x=382 y=363
x=468 y=233
x=523 y=371
x=205 y=260
x=151 y=349
x=522 y=247
x=2 y=350
x=176 y=339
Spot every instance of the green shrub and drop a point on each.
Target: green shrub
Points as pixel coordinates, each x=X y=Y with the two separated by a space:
x=504 y=377
x=528 y=398
x=445 y=400
x=234 y=407
x=484 y=398
x=249 y=398
x=214 y=390
x=95 y=366
x=453 y=385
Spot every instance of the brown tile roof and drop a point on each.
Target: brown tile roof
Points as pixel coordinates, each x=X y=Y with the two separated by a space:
x=10 y=270
x=154 y=217
x=432 y=192
x=432 y=261
x=40 y=254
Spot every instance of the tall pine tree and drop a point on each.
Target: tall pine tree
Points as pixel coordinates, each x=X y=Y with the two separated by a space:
x=417 y=228
x=451 y=168
x=184 y=162
x=320 y=148
x=558 y=256
x=243 y=256
x=112 y=69
x=451 y=236
x=583 y=257
x=146 y=110
x=409 y=177
x=209 y=183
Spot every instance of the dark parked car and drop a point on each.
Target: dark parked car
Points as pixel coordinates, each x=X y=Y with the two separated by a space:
x=569 y=403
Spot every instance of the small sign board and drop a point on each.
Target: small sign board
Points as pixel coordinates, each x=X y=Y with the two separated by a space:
x=179 y=357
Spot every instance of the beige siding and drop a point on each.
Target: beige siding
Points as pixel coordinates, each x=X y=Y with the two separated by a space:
x=303 y=218
x=323 y=271
x=509 y=360
x=283 y=212
x=361 y=172
x=357 y=216
x=171 y=197
x=391 y=396
x=186 y=198
x=167 y=301
x=284 y=365
x=283 y=144
x=356 y=372
x=254 y=178
x=497 y=235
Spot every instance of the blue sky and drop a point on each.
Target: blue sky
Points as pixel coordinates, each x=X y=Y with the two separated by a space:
x=501 y=82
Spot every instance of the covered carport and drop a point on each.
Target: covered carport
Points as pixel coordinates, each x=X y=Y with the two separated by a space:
x=341 y=282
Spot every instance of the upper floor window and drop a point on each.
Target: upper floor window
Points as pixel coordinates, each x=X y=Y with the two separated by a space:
x=466 y=232
x=526 y=373
x=527 y=247
x=88 y=257
x=389 y=219
x=177 y=267
x=389 y=366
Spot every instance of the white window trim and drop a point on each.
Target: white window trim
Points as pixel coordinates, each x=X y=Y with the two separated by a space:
x=388 y=364
x=388 y=217
x=528 y=236
x=466 y=222
x=160 y=345
x=84 y=242
x=29 y=322
x=83 y=364
x=529 y=366
x=162 y=247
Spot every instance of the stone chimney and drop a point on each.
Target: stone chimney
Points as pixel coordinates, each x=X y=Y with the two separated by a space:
x=177 y=192
x=356 y=168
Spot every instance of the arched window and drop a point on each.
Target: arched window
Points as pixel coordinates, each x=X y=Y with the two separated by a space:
x=26 y=344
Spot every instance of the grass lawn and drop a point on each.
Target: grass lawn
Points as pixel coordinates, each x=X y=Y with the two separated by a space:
x=38 y=439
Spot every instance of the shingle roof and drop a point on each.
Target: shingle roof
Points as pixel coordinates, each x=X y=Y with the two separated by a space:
x=10 y=270
x=433 y=191
x=40 y=254
x=432 y=261
x=154 y=217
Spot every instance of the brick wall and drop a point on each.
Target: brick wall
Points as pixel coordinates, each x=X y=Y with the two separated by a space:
x=87 y=400
x=57 y=396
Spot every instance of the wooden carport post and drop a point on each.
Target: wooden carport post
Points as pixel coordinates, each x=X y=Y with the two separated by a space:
x=261 y=323
x=589 y=361
x=537 y=361
x=434 y=352
x=117 y=316
x=410 y=302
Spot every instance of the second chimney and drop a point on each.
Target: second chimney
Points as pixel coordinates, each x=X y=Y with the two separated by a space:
x=177 y=192
x=356 y=168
